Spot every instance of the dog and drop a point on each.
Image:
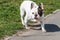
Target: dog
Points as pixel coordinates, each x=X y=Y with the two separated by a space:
x=29 y=10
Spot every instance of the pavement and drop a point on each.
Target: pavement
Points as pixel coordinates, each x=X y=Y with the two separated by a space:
x=52 y=26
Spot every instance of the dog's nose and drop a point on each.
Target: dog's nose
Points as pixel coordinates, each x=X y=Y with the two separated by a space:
x=35 y=15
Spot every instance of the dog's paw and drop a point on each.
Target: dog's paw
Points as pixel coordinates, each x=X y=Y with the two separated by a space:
x=27 y=27
x=43 y=30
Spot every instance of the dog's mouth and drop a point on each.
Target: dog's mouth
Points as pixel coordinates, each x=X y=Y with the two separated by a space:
x=35 y=18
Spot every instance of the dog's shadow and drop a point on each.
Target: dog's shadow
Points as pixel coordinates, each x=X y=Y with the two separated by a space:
x=52 y=28
x=49 y=27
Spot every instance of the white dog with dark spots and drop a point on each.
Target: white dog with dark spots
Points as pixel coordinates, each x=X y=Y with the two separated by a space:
x=29 y=10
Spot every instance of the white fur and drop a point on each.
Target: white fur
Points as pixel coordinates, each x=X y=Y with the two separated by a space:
x=26 y=7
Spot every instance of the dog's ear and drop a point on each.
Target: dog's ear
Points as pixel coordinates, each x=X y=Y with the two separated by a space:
x=40 y=6
x=40 y=9
x=32 y=5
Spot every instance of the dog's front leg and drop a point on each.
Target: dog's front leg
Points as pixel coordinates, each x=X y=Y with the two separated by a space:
x=42 y=24
x=25 y=22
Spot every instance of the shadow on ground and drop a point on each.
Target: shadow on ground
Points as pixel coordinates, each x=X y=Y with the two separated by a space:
x=51 y=28
x=48 y=27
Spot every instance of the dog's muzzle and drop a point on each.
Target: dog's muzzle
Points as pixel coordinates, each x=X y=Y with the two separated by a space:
x=36 y=16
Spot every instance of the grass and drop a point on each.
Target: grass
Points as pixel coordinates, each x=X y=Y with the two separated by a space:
x=10 y=17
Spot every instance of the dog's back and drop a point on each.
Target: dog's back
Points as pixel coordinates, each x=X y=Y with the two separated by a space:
x=26 y=5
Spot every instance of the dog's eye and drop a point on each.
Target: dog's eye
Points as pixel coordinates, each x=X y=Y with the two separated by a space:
x=32 y=13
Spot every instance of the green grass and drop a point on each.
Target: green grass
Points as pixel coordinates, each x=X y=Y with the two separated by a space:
x=10 y=17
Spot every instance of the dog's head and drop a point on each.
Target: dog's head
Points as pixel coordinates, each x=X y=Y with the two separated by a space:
x=34 y=12
x=37 y=11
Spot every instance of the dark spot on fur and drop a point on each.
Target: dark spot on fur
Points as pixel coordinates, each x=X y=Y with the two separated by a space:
x=32 y=5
